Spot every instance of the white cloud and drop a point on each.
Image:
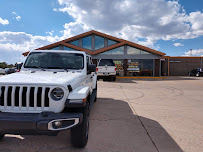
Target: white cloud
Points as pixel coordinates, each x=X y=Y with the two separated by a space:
x=178 y=44
x=18 y=18
x=50 y=32
x=196 y=20
x=133 y=19
x=55 y=9
x=4 y=21
x=198 y=52
x=73 y=28
x=13 y=44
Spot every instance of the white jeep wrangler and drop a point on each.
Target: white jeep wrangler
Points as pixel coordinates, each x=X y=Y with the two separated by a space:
x=54 y=91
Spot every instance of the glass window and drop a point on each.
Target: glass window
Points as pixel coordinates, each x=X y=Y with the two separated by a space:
x=144 y=52
x=108 y=62
x=99 y=42
x=91 y=60
x=132 y=50
x=75 y=42
x=50 y=60
x=119 y=50
x=88 y=62
x=56 y=48
x=111 y=42
x=140 y=67
x=87 y=42
x=67 y=48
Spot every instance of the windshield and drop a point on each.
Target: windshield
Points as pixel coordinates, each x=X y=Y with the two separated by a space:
x=50 y=60
x=108 y=62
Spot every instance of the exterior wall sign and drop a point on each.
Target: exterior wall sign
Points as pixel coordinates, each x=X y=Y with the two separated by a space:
x=175 y=61
x=133 y=66
x=133 y=69
x=119 y=65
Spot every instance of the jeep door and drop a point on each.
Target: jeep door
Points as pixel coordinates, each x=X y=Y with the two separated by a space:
x=89 y=78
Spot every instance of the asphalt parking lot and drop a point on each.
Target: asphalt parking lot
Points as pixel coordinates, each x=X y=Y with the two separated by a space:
x=160 y=115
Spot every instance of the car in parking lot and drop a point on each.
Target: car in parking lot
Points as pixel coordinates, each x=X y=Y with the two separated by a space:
x=2 y=71
x=10 y=70
x=106 y=69
x=196 y=72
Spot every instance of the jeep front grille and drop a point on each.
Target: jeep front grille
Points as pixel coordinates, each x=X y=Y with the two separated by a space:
x=24 y=98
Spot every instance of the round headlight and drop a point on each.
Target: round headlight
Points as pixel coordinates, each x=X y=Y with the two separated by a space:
x=57 y=94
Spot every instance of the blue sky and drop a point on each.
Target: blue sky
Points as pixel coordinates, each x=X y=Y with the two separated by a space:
x=196 y=43
x=173 y=27
x=37 y=17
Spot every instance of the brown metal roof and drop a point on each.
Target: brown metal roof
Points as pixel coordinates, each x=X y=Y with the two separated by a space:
x=120 y=43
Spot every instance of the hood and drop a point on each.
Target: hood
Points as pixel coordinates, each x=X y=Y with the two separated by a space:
x=43 y=78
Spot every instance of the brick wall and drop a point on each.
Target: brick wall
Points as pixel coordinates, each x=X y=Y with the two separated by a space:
x=181 y=66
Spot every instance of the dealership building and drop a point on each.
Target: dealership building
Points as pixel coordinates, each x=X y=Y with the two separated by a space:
x=131 y=59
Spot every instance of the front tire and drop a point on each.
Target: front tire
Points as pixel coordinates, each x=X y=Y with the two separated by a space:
x=197 y=75
x=95 y=99
x=79 y=134
x=1 y=136
x=114 y=78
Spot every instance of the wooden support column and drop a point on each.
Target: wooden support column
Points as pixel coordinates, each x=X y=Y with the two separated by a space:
x=153 y=67
x=168 y=66
x=160 y=67
x=125 y=66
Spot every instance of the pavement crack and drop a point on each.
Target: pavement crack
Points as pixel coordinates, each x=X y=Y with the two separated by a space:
x=140 y=120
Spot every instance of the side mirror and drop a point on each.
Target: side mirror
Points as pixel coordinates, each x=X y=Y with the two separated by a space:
x=19 y=65
x=91 y=68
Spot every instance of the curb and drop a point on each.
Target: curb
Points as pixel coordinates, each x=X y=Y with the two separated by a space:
x=140 y=77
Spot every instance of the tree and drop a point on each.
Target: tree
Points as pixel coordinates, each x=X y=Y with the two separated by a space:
x=5 y=65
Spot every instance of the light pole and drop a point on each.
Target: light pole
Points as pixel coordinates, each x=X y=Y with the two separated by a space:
x=190 y=52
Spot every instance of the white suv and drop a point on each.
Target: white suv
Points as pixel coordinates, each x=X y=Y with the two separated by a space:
x=53 y=91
